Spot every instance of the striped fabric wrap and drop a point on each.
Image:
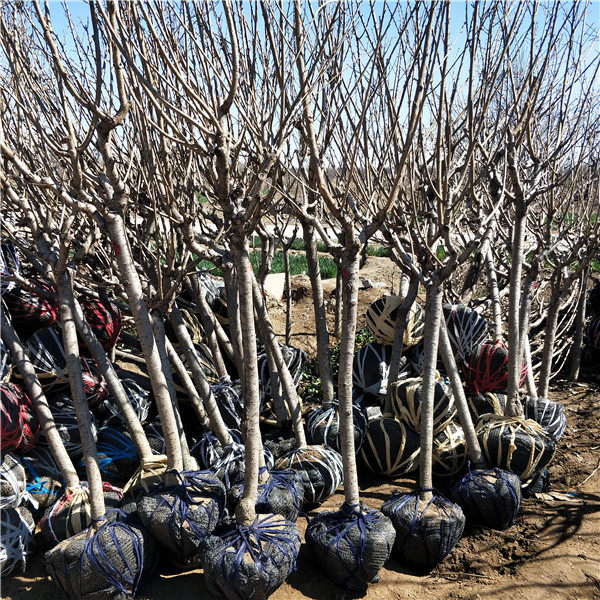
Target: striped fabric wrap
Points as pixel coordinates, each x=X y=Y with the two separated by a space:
x=426 y=531
x=549 y=414
x=467 y=329
x=47 y=355
x=72 y=514
x=515 y=444
x=29 y=310
x=323 y=426
x=16 y=539
x=9 y=265
x=5 y=363
x=390 y=448
x=320 y=468
x=105 y=320
x=381 y=319
x=19 y=426
x=407 y=403
x=487 y=402
x=486 y=368
x=489 y=497
x=449 y=451
x=13 y=483
x=370 y=369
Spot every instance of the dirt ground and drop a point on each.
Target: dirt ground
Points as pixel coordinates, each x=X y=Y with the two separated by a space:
x=551 y=552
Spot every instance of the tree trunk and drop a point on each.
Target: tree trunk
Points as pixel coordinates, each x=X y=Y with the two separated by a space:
x=524 y=324
x=189 y=462
x=314 y=272
x=433 y=318
x=529 y=381
x=42 y=410
x=288 y=295
x=289 y=389
x=350 y=268
x=234 y=317
x=549 y=338
x=513 y=406
x=338 y=300
x=579 y=322
x=114 y=383
x=494 y=293
x=133 y=288
x=399 y=328
x=246 y=510
x=210 y=405
x=69 y=333
x=212 y=328
x=464 y=414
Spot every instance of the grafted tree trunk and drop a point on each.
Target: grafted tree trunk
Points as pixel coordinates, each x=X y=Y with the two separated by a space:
x=210 y=405
x=579 y=322
x=133 y=288
x=464 y=414
x=410 y=294
x=314 y=272
x=69 y=333
x=37 y=396
x=350 y=267
x=114 y=383
x=433 y=309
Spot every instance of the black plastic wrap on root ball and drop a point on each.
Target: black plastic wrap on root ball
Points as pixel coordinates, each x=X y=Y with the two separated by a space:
x=466 y=328
x=182 y=515
x=104 y=318
x=68 y=430
x=487 y=402
x=539 y=483
x=351 y=544
x=282 y=494
x=549 y=414
x=515 y=444
x=44 y=479
x=390 y=448
x=139 y=398
x=118 y=457
x=5 y=363
x=208 y=450
x=107 y=563
x=426 y=530
x=381 y=320
x=71 y=514
x=294 y=358
x=370 y=368
x=13 y=482
x=489 y=497
x=251 y=561
x=323 y=426
x=320 y=468
x=16 y=539
x=449 y=451
x=230 y=468
x=228 y=396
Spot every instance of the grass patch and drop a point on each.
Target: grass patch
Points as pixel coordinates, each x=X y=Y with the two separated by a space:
x=378 y=251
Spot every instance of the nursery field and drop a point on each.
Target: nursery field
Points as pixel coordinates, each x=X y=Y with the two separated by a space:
x=552 y=551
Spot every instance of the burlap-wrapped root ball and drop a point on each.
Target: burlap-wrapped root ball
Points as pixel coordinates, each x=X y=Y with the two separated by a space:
x=390 y=448
x=109 y=562
x=548 y=414
x=351 y=544
x=251 y=561
x=44 y=479
x=320 y=468
x=515 y=444
x=181 y=515
x=230 y=468
x=381 y=319
x=489 y=497
x=537 y=484
x=104 y=318
x=486 y=368
x=19 y=427
x=466 y=328
x=426 y=530
x=16 y=538
x=71 y=513
x=13 y=482
x=282 y=494
x=449 y=451
x=407 y=403
x=323 y=426
x=487 y=402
